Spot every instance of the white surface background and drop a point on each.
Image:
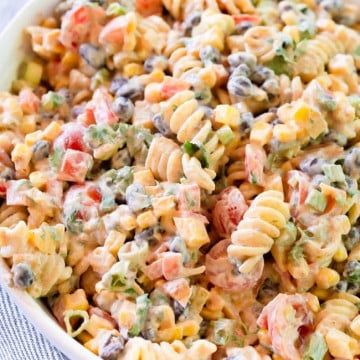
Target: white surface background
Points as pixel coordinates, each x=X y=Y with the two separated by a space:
x=24 y=342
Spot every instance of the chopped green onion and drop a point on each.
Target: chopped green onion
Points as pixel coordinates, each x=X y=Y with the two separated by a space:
x=190 y=148
x=225 y=134
x=316 y=348
x=316 y=200
x=115 y=9
x=51 y=101
x=334 y=172
x=142 y=308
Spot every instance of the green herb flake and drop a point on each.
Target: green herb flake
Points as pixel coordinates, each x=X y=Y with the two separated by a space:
x=55 y=158
x=316 y=348
x=190 y=148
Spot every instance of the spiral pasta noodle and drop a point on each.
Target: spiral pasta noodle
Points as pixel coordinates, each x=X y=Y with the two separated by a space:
x=255 y=234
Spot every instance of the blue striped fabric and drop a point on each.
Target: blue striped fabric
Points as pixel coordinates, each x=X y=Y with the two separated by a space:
x=19 y=340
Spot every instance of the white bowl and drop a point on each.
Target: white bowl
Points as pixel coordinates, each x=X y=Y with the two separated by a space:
x=13 y=50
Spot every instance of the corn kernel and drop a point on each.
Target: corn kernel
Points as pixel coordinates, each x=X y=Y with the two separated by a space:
x=354 y=213
x=144 y=177
x=341 y=254
x=163 y=205
x=38 y=179
x=146 y=219
x=261 y=133
x=321 y=294
x=32 y=138
x=133 y=69
x=193 y=232
x=84 y=337
x=92 y=345
x=114 y=241
x=70 y=60
x=326 y=278
x=284 y=133
x=172 y=334
x=52 y=131
x=97 y=323
x=190 y=327
x=28 y=124
x=227 y=114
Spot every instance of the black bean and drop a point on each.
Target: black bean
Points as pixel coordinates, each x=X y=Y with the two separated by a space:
x=352 y=238
x=352 y=267
x=93 y=55
x=271 y=87
x=261 y=74
x=209 y=54
x=7 y=174
x=313 y=165
x=120 y=159
x=22 y=275
x=177 y=308
x=161 y=125
x=155 y=62
x=117 y=83
x=131 y=89
x=246 y=121
x=112 y=348
x=352 y=163
x=242 y=27
x=124 y=108
x=145 y=235
x=41 y=150
x=136 y=197
x=241 y=70
x=341 y=286
x=192 y=20
x=353 y=289
x=240 y=57
x=239 y=86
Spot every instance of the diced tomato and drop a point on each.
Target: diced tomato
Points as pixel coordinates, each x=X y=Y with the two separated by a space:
x=81 y=24
x=178 y=289
x=171 y=265
x=148 y=7
x=3 y=188
x=72 y=137
x=113 y=32
x=94 y=193
x=254 y=19
x=228 y=211
x=154 y=270
x=255 y=160
x=75 y=165
x=16 y=192
x=100 y=106
x=29 y=102
x=171 y=86
x=189 y=197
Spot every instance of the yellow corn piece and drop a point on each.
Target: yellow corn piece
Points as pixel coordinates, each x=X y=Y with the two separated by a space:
x=28 y=124
x=32 y=138
x=84 y=337
x=38 y=179
x=144 y=177
x=97 y=323
x=146 y=219
x=327 y=278
x=261 y=133
x=92 y=345
x=354 y=213
x=127 y=314
x=190 y=327
x=52 y=131
x=284 y=133
x=32 y=73
x=70 y=60
x=114 y=241
x=133 y=69
x=76 y=301
x=227 y=114
x=208 y=77
x=163 y=205
x=341 y=254
x=47 y=238
x=193 y=232
x=170 y=335
x=321 y=294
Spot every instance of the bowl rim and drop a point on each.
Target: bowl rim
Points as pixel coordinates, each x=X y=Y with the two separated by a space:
x=34 y=310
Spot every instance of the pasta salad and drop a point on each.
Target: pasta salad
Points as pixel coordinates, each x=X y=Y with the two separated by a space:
x=180 y=179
